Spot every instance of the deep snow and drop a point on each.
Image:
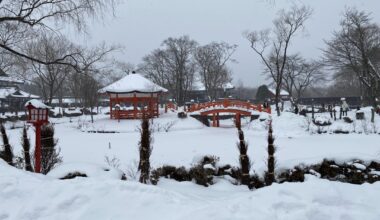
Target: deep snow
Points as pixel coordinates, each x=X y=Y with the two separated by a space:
x=177 y=142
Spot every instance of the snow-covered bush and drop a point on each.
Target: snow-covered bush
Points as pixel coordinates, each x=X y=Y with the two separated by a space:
x=73 y=170
x=49 y=152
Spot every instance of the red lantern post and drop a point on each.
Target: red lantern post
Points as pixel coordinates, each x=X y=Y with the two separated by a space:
x=38 y=115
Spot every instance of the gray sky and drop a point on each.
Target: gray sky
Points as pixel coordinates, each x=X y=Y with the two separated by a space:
x=141 y=25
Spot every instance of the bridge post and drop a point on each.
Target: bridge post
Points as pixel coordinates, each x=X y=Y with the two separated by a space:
x=238 y=120
x=213 y=120
x=217 y=120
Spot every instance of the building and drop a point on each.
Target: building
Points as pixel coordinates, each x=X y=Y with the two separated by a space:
x=133 y=97
x=284 y=95
x=198 y=92
x=12 y=98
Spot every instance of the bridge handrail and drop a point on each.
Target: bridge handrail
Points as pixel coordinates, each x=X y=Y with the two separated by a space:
x=225 y=104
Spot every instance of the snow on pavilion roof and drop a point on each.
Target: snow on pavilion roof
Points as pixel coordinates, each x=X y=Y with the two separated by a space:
x=36 y=103
x=133 y=83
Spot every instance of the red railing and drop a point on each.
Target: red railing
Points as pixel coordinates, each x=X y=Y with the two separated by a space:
x=133 y=114
x=227 y=103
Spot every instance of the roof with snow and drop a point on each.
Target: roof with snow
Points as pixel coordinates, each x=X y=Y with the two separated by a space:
x=133 y=83
x=16 y=93
x=36 y=103
x=282 y=92
x=199 y=86
x=6 y=78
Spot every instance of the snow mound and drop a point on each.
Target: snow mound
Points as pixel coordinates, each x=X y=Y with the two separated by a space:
x=289 y=124
x=90 y=170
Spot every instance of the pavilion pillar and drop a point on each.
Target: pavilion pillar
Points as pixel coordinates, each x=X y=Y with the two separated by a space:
x=151 y=108
x=134 y=106
x=111 y=106
x=118 y=111
x=157 y=106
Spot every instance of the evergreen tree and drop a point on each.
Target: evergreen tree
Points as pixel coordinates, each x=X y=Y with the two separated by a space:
x=269 y=175
x=263 y=93
x=245 y=164
x=26 y=150
x=49 y=153
x=7 y=153
x=145 y=150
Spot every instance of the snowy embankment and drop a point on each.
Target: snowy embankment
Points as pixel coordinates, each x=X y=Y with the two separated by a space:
x=27 y=196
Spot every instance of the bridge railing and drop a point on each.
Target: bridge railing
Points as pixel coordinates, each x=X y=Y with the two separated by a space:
x=227 y=103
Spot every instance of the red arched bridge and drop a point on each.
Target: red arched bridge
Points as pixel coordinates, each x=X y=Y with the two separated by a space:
x=237 y=107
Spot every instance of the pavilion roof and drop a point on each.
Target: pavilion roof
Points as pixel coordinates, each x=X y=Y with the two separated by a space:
x=133 y=83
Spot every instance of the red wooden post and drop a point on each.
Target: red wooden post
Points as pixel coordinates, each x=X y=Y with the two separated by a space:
x=151 y=111
x=134 y=106
x=37 y=152
x=157 y=107
x=213 y=120
x=111 y=105
x=238 y=120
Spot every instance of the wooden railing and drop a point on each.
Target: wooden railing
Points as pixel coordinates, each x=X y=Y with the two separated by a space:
x=171 y=106
x=133 y=114
x=227 y=103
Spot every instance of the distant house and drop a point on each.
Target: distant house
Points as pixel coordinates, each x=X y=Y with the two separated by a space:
x=12 y=98
x=199 y=94
x=284 y=95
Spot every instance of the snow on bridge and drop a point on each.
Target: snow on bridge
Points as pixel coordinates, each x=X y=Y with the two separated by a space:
x=236 y=107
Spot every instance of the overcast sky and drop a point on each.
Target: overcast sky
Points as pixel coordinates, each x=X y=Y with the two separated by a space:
x=141 y=25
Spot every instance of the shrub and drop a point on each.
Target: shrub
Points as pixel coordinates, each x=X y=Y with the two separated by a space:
x=50 y=157
x=182 y=115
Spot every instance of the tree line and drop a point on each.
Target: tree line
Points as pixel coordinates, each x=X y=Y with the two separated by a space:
x=181 y=64
x=352 y=56
x=33 y=45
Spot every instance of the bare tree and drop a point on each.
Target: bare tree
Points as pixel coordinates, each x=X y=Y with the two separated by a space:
x=356 y=45
x=172 y=66
x=50 y=78
x=277 y=42
x=300 y=74
x=22 y=21
x=116 y=71
x=211 y=60
x=85 y=82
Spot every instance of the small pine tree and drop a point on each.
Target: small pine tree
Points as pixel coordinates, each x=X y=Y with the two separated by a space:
x=269 y=175
x=7 y=153
x=145 y=150
x=245 y=164
x=49 y=153
x=26 y=150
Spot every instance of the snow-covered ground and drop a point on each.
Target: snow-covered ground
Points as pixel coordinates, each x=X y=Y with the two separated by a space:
x=177 y=142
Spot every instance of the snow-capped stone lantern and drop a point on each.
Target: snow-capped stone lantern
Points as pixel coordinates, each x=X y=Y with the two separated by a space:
x=38 y=115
